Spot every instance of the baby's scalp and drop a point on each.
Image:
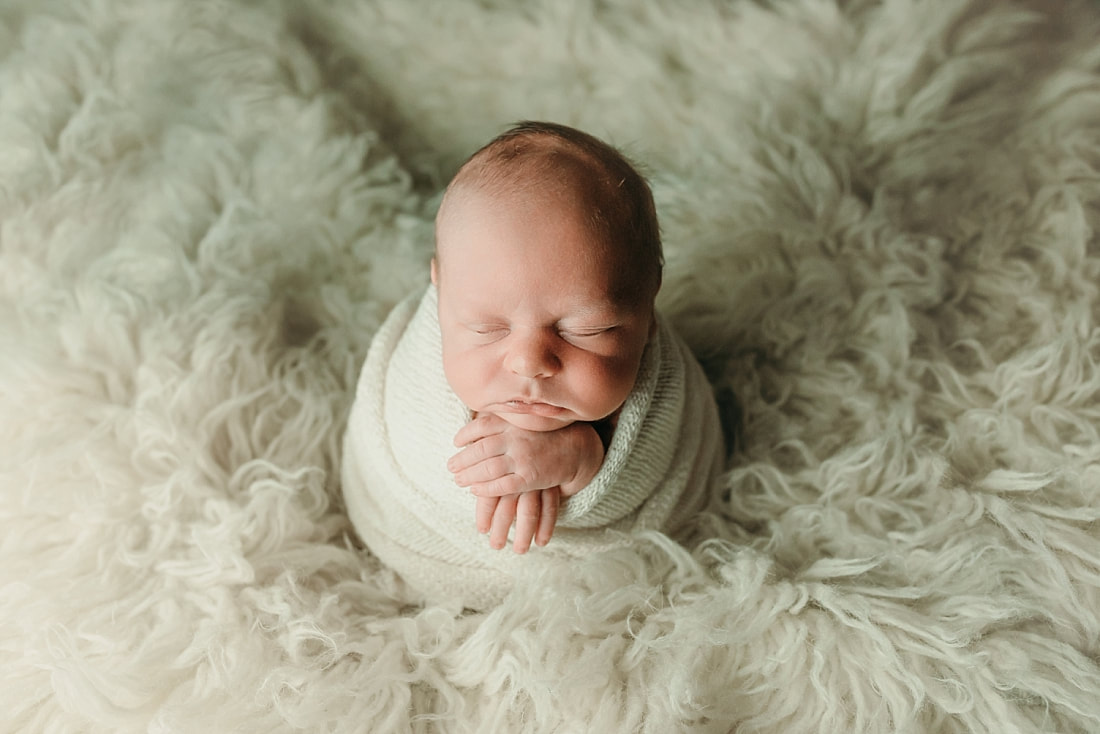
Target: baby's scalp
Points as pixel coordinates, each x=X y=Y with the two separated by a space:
x=560 y=166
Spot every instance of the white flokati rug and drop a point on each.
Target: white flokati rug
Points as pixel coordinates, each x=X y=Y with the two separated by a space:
x=881 y=223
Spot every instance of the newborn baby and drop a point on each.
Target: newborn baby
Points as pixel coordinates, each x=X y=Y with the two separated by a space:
x=569 y=401
x=548 y=261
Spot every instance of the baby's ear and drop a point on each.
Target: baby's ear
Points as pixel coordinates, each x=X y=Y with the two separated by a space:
x=435 y=273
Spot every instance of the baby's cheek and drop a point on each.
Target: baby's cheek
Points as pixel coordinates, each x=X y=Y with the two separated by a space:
x=465 y=377
x=607 y=384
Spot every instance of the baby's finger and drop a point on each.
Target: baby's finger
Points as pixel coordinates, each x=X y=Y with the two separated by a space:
x=502 y=521
x=496 y=467
x=484 y=425
x=486 y=506
x=527 y=520
x=550 y=500
x=480 y=450
x=500 y=486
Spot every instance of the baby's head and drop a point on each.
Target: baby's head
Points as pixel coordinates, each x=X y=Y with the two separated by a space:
x=548 y=261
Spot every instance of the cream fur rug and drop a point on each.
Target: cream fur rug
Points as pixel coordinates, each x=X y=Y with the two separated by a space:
x=882 y=236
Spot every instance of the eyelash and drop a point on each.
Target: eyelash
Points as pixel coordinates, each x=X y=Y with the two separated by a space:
x=563 y=332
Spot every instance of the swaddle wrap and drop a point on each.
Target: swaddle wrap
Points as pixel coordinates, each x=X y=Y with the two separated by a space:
x=662 y=462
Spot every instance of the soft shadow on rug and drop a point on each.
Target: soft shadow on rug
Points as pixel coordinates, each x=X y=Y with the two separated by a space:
x=880 y=223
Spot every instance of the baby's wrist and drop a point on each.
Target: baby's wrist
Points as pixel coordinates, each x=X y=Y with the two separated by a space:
x=590 y=455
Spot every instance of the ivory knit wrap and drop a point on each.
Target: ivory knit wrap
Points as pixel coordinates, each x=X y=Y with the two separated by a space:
x=663 y=460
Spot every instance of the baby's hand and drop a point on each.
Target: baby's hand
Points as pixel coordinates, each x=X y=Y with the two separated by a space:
x=499 y=459
x=521 y=475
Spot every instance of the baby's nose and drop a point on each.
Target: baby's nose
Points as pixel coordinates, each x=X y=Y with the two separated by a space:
x=533 y=356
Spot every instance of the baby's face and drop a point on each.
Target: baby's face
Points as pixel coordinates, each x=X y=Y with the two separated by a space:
x=529 y=330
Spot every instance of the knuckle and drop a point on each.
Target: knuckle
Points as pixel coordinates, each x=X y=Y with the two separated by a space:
x=518 y=483
x=533 y=475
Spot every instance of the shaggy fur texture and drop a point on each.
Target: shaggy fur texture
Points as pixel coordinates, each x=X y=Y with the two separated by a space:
x=881 y=229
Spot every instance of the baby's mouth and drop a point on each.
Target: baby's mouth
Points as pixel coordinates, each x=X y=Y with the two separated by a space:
x=534 y=407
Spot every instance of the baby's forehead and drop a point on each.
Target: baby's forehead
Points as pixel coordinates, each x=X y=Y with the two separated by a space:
x=583 y=204
x=611 y=296
x=593 y=304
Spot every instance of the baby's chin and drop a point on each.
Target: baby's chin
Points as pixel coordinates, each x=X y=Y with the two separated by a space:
x=537 y=423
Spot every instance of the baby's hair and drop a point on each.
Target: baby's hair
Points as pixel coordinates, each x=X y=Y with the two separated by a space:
x=533 y=157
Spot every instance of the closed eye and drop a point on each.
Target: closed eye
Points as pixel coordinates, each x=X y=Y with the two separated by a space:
x=489 y=330
x=586 y=333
